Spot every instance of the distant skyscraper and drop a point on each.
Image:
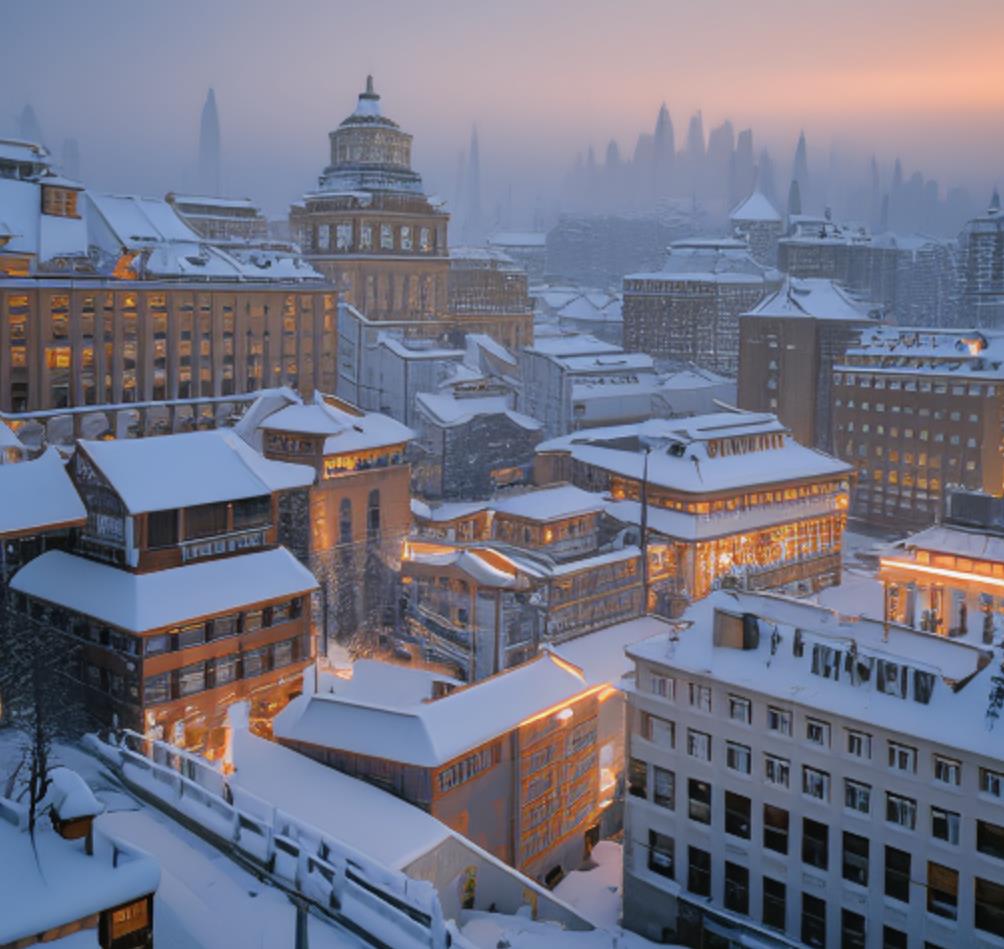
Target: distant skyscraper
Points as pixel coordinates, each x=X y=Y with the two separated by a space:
x=742 y=177
x=765 y=180
x=794 y=199
x=28 y=128
x=472 y=222
x=209 y=148
x=800 y=169
x=664 y=145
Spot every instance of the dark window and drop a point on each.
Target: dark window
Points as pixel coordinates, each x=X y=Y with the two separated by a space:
x=942 y=891
x=153 y=645
x=990 y=907
x=345 y=522
x=737 y=888
x=856 y=858
x=280 y=613
x=660 y=854
x=162 y=528
x=775 y=828
x=897 y=874
x=815 y=844
x=773 y=903
x=225 y=669
x=255 y=662
x=253 y=619
x=252 y=512
x=224 y=626
x=893 y=938
x=192 y=679
x=852 y=930
x=699 y=801
x=205 y=520
x=156 y=689
x=813 y=921
x=737 y=815
x=373 y=515
x=990 y=839
x=638 y=778
x=698 y=871
x=282 y=653
x=192 y=635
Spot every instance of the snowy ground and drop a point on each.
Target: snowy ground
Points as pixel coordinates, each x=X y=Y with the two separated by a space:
x=205 y=901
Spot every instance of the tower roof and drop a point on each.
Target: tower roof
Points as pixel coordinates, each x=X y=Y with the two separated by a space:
x=755 y=207
x=368 y=110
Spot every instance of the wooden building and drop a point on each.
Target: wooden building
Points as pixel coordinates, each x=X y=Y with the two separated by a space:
x=175 y=588
x=513 y=762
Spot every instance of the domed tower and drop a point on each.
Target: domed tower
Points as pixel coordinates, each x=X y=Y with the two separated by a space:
x=369 y=225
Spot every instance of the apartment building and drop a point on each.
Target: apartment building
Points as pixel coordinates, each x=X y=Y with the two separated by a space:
x=726 y=497
x=758 y=221
x=512 y=763
x=917 y=410
x=800 y=777
x=174 y=589
x=788 y=344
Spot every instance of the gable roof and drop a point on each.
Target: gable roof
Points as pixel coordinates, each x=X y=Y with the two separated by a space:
x=38 y=495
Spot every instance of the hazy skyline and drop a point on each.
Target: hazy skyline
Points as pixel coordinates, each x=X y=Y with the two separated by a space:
x=542 y=81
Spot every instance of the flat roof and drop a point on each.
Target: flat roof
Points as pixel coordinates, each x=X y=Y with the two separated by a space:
x=141 y=602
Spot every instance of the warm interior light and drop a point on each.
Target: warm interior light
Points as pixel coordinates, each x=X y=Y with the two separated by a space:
x=941 y=572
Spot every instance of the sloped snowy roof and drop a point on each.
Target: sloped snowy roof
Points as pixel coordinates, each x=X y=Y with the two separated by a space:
x=961 y=541
x=432 y=733
x=450 y=411
x=954 y=719
x=38 y=495
x=490 y=345
x=812 y=297
x=691 y=469
x=166 y=471
x=550 y=503
x=138 y=221
x=141 y=602
x=601 y=655
x=70 y=795
x=8 y=439
x=394 y=684
x=447 y=511
x=755 y=207
x=571 y=345
x=346 y=431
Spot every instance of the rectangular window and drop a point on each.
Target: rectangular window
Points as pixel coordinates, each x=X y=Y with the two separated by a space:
x=855 y=858
x=737 y=888
x=990 y=839
x=699 y=801
x=255 y=662
x=813 y=921
x=225 y=669
x=989 y=915
x=857 y=796
x=992 y=783
x=154 y=645
x=779 y=720
x=817 y=732
x=700 y=696
x=947 y=770
x=737 y=815
x=192 y=679
x=205 y=520
x=942 y=891
x=900 y=810
x=386 y=237
x=815 y=844
x=156 y=689
x=740 y=709
x=945 y=825
x=660 y=854
x=637 y=778
x=773 y=903
x=815 y=783
x=225 y=626
x=663 y=787
x=897 y=874
x=775 y=828
x=852 y=930
x=162 y=528
x=662 y=685
x=902 y=757
x=192 y=635
x=659 y=731
x=737 y=757
x=698 y=744
x=698 y=871
x=776 y=770
x=859 y=744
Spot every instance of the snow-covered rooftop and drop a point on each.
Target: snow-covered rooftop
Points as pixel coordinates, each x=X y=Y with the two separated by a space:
x=709 y=260
x=347 y=429
x=430 y=734
x=390 y=682
x=152 y=474
x=755 y=207
x=550 y=503
x=449 y=411
x=961 y=541
x=609 y=362
x=680 y=459
x=576 y=344
x=977 y=354
x=813 y=297
x=38 y=495
x=141 y=602
x=447 y=511
x=601 y=655
x=50 y=882
x=955 y=716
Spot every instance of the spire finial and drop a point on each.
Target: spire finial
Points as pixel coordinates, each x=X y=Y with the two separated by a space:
x=369 y=85
x=995 y=202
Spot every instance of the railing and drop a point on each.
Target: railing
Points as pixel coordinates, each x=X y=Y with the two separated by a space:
x=384 y=905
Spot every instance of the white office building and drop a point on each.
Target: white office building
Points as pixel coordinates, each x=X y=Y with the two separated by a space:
x=798 y=776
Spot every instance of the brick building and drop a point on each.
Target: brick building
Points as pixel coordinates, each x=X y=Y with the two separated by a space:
x=689 y=311
x=917 y=410
x=487 y=292
x=788 y=344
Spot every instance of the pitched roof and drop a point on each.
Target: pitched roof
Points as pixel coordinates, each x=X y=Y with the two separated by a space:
x=38 y=495
x=755 y=207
